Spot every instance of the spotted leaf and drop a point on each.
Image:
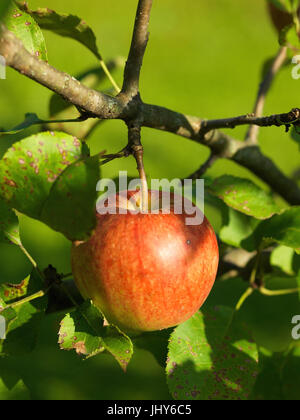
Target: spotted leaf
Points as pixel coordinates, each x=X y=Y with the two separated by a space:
x=211 y=357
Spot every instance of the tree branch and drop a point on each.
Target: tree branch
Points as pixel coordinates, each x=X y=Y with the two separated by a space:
x=137 y=49
x=99 y=105
x=92 y=102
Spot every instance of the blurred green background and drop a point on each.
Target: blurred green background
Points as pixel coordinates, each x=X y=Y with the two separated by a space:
x=204 y=58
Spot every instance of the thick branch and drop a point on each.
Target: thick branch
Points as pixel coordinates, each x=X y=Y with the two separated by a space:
x=97 y=104
x=137 y=49
x=92 y=102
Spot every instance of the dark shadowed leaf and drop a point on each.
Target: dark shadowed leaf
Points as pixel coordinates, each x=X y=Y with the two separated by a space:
x=290 y=375
x=212 y=357
x=4 y=6
x=18 y=392
x=155 y=342
x=244 y=196
x=281 y=4
x=83 y=331
x=283 y=229
x=27 y=30
x=9 y=225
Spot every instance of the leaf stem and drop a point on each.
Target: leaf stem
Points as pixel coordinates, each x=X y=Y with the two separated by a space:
x=30 y=298
x=109 y=76
x=268 y=292
x=244 y=297
x=32 y=260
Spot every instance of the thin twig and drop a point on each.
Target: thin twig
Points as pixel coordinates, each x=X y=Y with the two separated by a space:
x=123 y=153
x=263 y=91
x=278 y=120
x=137 y=49
x=204 y=167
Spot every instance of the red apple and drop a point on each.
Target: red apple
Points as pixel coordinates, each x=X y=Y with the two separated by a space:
x=147 y=272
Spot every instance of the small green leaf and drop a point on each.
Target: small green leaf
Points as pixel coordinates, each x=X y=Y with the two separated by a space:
x=27 y=30
x=244 y=196
x=211 y=357
x=45 y=177
x=282 y=257
x=22 y=321
x=283 y=228
x=83 y=331
x=69 y=26
x=289 y=36
x=9 y=225
x=236 y=228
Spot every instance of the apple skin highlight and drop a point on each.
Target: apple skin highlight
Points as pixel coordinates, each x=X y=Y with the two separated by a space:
x=146 y=272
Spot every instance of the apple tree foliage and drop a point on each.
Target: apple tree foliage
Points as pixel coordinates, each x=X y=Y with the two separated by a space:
x=237 y=346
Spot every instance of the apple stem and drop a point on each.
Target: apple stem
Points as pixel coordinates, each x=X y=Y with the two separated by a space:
x=138 y=152
x=136 y=147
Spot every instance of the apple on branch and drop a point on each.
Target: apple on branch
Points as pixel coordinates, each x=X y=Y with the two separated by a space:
x=147 y=271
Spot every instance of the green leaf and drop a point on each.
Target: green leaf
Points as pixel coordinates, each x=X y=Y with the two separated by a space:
x=4 y=6
x=289 y=36
x=46 y=178
x=244 y=196
x=283 y=229
x=281 y=4
x=290 y=375
x=83 y=331
x=298 y=282
x=211 y=357
x=69 y=26
x=282 y=257
x=155 y=342
x=269 y=382
x=75 y=193
x=30 y=119
x=268 y=317
x=27 y=30
x=236 y=228
x=18 y=392
x=22 y=321
x=9 y=225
